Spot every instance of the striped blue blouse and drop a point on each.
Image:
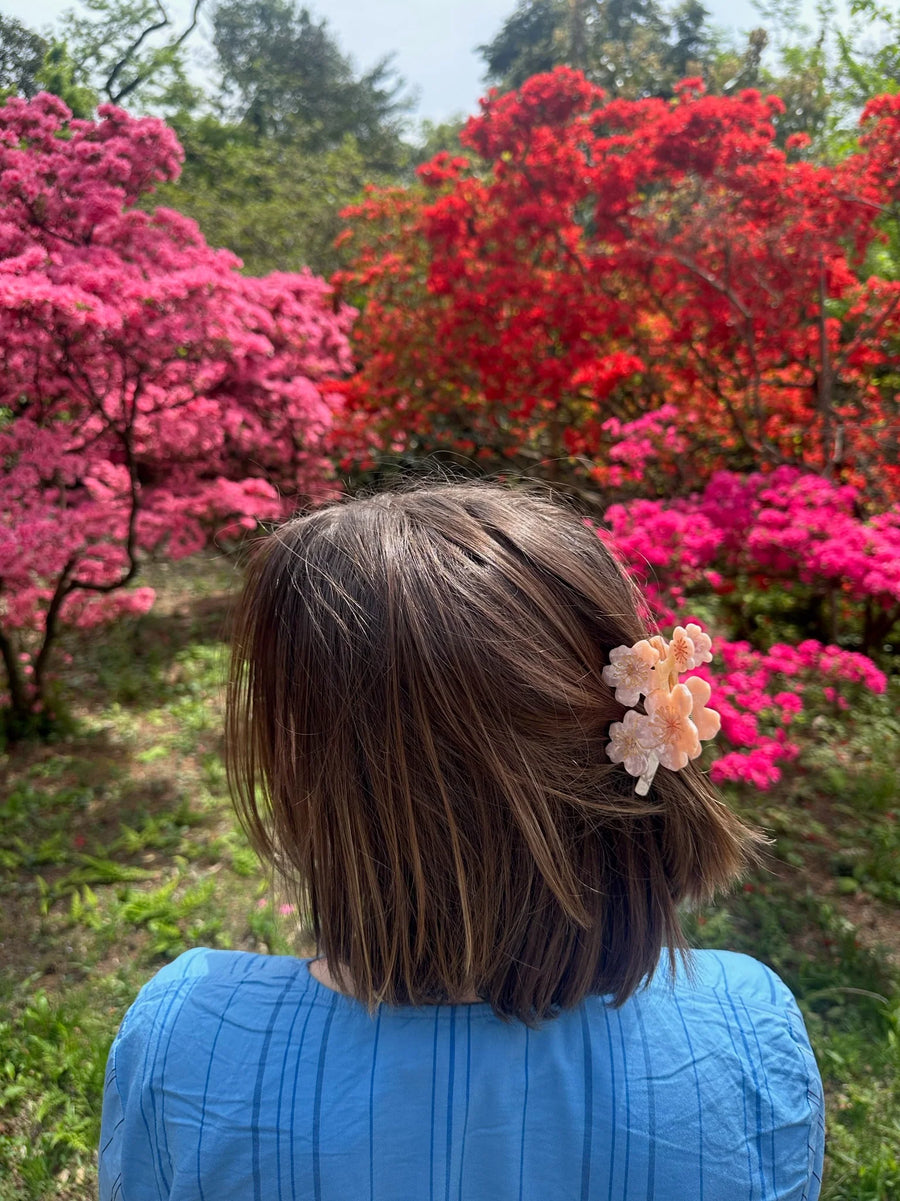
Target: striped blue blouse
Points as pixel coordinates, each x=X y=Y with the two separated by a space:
x=238 y=1077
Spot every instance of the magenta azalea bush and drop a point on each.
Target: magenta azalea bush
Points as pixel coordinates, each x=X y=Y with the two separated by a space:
x=150 y=393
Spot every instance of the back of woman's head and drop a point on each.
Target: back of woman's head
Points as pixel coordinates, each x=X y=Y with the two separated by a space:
x=415 y=736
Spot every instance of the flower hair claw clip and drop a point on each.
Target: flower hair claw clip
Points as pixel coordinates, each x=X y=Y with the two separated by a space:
x=676 y=720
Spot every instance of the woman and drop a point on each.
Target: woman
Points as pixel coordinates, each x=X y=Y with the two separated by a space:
x=471 y=764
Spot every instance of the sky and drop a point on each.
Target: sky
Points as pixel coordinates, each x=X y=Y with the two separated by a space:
x=433 y=41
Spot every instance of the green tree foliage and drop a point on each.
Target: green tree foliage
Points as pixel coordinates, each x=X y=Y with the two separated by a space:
x=532 y=41
x=869 y=56
x=630 y=48
x=284 y=76
x=298 y=136
x=21 y=57
x=794 y=62
x=30 y=64
x=271 y=201
x=60 y=76
x=435 y=136
x=824 y=70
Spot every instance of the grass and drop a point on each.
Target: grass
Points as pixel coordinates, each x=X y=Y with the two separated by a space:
x=118 y=851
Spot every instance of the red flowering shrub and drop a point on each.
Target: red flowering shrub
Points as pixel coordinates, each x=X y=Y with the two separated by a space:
x=632 y=291
x=149 y=393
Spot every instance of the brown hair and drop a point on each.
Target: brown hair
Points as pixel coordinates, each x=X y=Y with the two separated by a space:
x=416 y=728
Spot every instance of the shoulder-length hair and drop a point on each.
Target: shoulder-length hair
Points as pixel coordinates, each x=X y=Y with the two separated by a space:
x=416 y=731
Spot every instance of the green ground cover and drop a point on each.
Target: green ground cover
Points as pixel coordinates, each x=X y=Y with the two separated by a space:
x=118 y=851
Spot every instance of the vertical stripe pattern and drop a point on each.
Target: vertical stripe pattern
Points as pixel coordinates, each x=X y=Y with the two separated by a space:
x=372 y=1106
x=317 y=1107
x=524 y=1121
x=588 y=1106
x=650 y=1100
x=462 y=1148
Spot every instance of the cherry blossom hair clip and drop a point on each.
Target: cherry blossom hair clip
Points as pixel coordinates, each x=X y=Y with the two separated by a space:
x=676 y=718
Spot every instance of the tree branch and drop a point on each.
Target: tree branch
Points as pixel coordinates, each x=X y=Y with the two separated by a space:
x=131 y=537
x=131 y=50
x=60 y=592
x=116 y=97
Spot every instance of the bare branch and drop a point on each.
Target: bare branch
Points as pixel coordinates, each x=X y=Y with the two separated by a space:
x=869 y=204
x=116 y=97
x=18 y=702
x=130 y=51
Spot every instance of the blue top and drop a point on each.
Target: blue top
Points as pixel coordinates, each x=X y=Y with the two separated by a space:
x=238 y=1077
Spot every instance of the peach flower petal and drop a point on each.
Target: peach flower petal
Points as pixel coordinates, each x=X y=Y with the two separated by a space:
x=706 y=720
x=681 y=649
x=676 y=734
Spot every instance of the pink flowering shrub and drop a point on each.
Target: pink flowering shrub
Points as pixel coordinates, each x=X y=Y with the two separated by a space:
x=761 y=695
x=785 y=532
x=742 y=534
x=150 y=393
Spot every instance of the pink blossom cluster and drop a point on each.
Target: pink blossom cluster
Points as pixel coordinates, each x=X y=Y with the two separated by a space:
x=154 y=394
x=787 y=526
x=639 y=442
x=759 y=694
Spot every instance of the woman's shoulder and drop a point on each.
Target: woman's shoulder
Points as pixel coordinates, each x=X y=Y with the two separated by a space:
x=726 y=1006
x=709 y=991
x=738 y=988
x=208 y=982
x=205 y=963
x=706 y=977
x=731 y=973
